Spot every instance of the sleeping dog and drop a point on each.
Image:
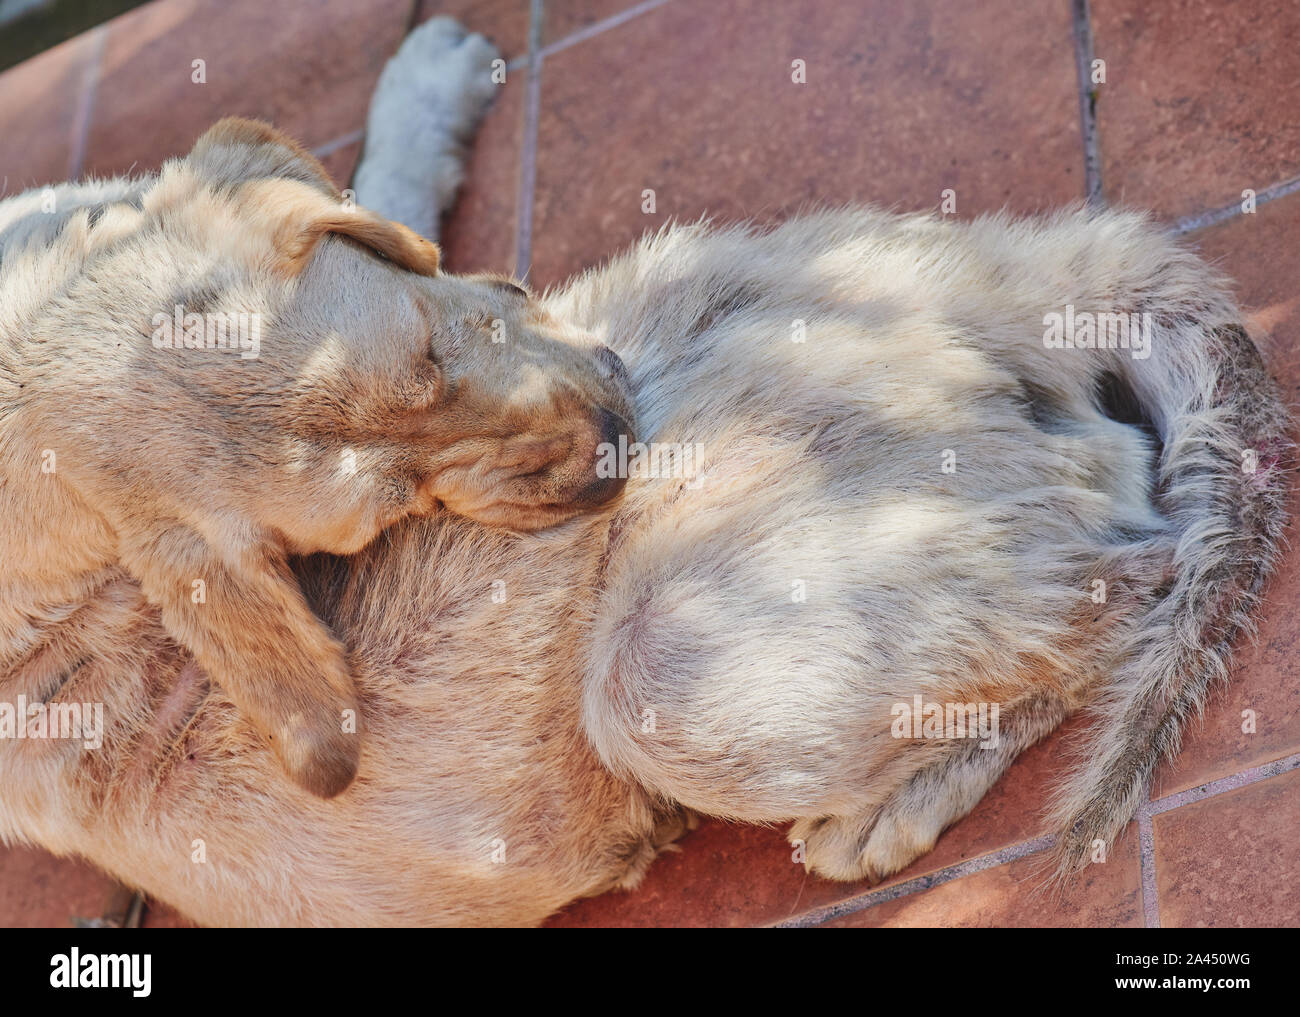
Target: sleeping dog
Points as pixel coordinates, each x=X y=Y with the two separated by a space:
x=210 y=370
x=947 y=484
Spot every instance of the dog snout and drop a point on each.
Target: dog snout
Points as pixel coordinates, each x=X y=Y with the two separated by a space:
x=608 y=476
x=611 y=427
x=599 y=491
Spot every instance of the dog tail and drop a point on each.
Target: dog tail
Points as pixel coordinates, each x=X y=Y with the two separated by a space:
x=1221 y=483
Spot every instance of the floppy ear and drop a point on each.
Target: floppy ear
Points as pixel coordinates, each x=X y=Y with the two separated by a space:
x=300 y=217
x=287 y=191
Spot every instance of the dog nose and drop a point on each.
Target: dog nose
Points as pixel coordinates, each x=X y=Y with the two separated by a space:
x=599 y=491
x=611 y=428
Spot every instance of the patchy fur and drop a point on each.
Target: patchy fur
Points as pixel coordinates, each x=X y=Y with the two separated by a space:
x=823 y=465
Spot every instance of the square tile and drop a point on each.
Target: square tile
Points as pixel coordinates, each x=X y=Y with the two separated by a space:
x=1198 y=100
x=480 y=233
x=308 y=67
x=1231 y=860
x=699 y=103
x=39 y=102
x=1105 y=895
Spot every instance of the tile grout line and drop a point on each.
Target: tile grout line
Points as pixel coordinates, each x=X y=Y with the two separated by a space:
x=1146 y=832
x=86 y=101
x=342 y=141
x=528 y=148
x=1232 y=782
x=583 y=34
x=1147 y=853
x=852 y=905
x=1083 y=56
x=1149 y=888
x=1191 y=223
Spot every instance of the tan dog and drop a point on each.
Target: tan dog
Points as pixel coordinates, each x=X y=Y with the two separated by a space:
x=363 y=388
x=905 y=488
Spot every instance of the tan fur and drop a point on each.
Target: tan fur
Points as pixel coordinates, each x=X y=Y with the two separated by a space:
x=542 y=711
x=202 y=466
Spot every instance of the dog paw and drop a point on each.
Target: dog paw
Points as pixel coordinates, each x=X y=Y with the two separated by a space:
x=871 y=847
x=430 y=98
x=318 y=751
x=441 y=66
x=669 y=828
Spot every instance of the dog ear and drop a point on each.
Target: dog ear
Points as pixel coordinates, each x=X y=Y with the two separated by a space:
x=287 y=190
x=299 y=217
x=236 y=150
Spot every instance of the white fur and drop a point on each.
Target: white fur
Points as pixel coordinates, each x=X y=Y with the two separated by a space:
x=430 y=98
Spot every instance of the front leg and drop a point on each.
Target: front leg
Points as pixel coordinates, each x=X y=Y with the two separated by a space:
x=429 y=100
x=244 y=617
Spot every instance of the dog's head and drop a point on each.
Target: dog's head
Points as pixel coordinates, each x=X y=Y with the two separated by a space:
x=277 y=371
x=377 y=387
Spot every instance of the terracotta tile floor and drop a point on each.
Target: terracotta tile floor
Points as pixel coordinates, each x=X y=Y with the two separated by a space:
x=903 y=99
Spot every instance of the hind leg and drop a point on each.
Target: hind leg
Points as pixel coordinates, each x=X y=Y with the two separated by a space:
x=429 y=100
x=881 y=841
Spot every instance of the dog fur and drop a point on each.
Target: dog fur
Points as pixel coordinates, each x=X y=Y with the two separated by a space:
x=378 y=392
x=544 y=712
